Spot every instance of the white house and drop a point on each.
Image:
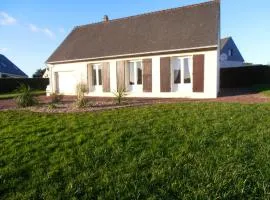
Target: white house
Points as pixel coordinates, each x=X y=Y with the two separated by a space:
x=168 y=53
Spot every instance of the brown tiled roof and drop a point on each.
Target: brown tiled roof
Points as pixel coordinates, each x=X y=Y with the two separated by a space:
x=178 y=28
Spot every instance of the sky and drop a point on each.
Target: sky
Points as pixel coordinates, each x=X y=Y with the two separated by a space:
x=30 y=30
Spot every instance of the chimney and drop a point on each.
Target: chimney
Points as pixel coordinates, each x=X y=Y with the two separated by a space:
x=105 y=18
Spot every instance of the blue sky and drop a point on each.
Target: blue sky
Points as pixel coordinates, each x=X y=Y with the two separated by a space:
x=31 y=30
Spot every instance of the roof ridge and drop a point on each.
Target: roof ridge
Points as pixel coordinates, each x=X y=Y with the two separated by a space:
x=148 y=13
x=226 y=37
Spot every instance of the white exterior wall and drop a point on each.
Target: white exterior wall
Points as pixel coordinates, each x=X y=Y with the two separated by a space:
x=211 y=67
x=79 y=71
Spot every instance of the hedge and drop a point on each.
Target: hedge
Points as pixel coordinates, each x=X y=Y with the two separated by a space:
x=11 y=84
x=244 y=77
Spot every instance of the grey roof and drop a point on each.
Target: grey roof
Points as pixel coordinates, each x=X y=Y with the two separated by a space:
x=6 y=66
x=178 y=28
x=223 y=41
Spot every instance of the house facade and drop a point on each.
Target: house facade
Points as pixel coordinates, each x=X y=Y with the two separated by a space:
x=230 y=56
x=169 y=53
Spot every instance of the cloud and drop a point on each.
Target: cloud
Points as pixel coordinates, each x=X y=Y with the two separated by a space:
x=3 y=50
x=33 y=28
x=46 y=31
x=6 y=19
x=62 y=30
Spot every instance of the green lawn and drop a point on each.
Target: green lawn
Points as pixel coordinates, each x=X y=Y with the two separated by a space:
x=264 y=89
x=187 y=151
x=14 y=94
x=266 y=93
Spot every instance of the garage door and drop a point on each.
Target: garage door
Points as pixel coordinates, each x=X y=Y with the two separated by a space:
x=65 y=82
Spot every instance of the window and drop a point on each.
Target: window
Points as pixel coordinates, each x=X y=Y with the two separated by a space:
x=97 y=75
x=94 y=78
x=187 y=77
x=230 y=52
x=139 y=73
x=177 y=71
x=181 y=70
x=131 y=73
x=135 y=72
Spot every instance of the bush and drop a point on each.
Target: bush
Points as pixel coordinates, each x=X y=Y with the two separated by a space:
x=81 y=89
x=25 y=97
x=81 y=101
x=56 y=98
x=119 y=95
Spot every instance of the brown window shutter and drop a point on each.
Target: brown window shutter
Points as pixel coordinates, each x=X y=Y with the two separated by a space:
x=120 y=74
x=147 y=75
x=106 y=76
x=198 y=73
x=89 y=76
x=165 y=74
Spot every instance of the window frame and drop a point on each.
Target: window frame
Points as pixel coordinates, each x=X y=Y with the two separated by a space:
x=135 y=71
x=182 y=83
x=96 y=88
x=97 y=67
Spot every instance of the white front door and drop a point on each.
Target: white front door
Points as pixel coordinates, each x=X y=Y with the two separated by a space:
x=135 y=76
x=97 y=78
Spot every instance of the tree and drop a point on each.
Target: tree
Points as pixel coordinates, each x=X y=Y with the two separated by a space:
x=39 y=73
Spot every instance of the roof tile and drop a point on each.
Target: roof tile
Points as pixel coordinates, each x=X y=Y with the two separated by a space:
x=178 y=28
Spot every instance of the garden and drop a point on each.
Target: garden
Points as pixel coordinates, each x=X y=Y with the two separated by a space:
x=173 y=150
x=166 y=151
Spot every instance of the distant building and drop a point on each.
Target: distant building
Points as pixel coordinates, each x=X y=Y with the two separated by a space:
x=9 y=69
x=230 y=55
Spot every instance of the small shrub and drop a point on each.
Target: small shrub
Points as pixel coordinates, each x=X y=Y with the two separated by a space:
x=81 y=101
x=81 y=89
x=25 y=96
x=56 y=98
x=119 y=95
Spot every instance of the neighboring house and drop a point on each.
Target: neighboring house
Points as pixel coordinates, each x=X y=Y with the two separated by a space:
x=168 y=53
x=230 y=55
x=10 y=70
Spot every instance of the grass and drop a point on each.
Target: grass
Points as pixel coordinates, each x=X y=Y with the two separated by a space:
x=266 y=93
x=264 y=89
x=174 y=151
x=14 y=94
